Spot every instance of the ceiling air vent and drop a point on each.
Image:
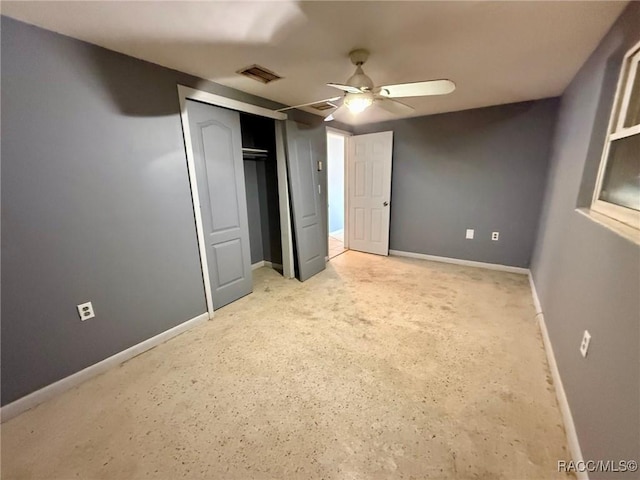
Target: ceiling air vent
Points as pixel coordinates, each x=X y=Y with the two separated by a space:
x=323 y=106
x=259 y=73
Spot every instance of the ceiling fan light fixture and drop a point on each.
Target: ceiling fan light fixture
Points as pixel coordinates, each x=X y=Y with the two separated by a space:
x=358 y=102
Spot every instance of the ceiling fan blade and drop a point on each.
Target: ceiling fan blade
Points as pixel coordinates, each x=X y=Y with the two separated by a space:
x=418 y=89
x=328 y=100
x=332 y=116
x=345 y=88
x=394 y=106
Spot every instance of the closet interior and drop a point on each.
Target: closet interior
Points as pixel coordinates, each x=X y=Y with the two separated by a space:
x=261 y=182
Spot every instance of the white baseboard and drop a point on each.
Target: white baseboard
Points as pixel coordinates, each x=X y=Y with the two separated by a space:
x=458 y=261
x=265 y=263
x=23 y=404
x=565 y=410
x=534 y=294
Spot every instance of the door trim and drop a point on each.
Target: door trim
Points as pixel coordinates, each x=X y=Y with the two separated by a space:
x=346 y=136
x=220 y=101
x=188 y=93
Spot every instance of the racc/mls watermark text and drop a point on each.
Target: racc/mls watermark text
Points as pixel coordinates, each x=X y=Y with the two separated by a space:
x=599 y=466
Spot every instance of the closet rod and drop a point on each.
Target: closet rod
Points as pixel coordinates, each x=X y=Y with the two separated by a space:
x=254 y=150
x=254 y=153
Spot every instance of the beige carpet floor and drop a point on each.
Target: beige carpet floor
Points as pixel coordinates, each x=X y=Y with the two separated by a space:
x=377 y=368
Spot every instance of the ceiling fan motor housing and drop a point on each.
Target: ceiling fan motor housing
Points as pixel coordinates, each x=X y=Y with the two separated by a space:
x=360 y=80
x=359 y=56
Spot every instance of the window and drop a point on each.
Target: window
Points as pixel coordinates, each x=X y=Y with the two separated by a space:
x=617 y=192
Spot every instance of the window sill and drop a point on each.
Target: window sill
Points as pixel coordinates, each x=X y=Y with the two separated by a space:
x=621 y=229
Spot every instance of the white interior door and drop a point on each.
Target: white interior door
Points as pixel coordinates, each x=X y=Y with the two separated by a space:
x=369 y=191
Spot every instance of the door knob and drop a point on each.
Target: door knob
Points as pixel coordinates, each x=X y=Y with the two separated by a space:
x=385 y=204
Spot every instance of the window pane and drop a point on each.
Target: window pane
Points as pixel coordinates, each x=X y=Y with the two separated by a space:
x=622 y=178
x=633 y=111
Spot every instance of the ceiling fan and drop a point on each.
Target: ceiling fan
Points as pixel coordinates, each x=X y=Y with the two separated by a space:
x=360 y=92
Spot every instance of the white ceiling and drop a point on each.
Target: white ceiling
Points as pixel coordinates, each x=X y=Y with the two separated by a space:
x=496 y=52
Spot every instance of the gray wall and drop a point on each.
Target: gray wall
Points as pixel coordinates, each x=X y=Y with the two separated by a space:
x=483 y=169
x=95 y=205
x=263 y=210
x=253 y=210
x=270 y=210
x=588 y=277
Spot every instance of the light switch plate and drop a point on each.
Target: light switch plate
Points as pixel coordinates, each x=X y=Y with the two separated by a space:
x=470 y=233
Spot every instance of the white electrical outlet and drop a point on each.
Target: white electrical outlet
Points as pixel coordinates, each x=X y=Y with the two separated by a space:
x=495 y=236
x=584 y=346
x=470 y=233
x=85 y=310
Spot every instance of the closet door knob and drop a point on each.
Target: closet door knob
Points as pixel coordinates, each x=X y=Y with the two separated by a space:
x=385 y=204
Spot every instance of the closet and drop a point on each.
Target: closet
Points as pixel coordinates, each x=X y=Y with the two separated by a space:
x=261 y=183
x=256 y=193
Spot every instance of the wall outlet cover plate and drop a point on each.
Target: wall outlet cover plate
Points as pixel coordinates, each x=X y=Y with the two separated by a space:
x=584 y=346
x=85 y=310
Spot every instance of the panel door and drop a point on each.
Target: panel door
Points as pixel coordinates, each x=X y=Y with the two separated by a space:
x=217 y=149
x=305 y=147
x=369 y=191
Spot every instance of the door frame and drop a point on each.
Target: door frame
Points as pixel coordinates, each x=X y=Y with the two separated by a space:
x=187 y=93
x=346 y=135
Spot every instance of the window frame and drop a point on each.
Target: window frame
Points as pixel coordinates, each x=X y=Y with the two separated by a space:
x=616 y=130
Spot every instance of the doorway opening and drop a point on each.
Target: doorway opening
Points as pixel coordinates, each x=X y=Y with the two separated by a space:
x=261 y=185
x=336 y=152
